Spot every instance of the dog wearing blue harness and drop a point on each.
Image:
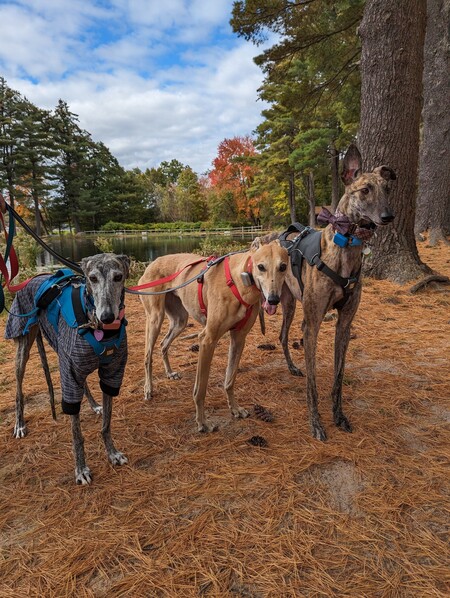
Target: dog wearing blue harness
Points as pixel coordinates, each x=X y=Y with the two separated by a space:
x=82 y=318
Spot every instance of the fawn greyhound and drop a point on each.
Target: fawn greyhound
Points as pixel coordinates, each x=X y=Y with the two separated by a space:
x=331 y=278
x=228 y=299
x=82 y=319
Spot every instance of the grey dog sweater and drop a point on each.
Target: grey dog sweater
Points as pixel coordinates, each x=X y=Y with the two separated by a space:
x=77 y=359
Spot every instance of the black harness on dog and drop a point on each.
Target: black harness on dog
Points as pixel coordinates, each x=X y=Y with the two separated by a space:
x=306 y=245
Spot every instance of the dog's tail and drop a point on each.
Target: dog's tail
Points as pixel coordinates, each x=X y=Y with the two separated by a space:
x=43 y=356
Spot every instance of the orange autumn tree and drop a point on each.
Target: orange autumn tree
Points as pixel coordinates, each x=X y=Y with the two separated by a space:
x=231 y=178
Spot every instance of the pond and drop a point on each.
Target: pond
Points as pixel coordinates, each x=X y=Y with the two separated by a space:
x=142 y=248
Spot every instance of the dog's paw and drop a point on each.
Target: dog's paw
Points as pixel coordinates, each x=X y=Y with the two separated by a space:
x=20 y=431
x=205 y=429
x=342 y=422
x=318 y=432
x=239 y=412
x=83 y=476
x=174 y=376
x=295 y=371
x=117 y=458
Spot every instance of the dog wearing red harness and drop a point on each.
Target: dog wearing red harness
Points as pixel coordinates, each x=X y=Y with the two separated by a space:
x=225 y=297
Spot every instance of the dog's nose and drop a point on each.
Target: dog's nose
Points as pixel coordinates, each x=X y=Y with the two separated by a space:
x=387 y=217
x=273 y=300
x=107 y=317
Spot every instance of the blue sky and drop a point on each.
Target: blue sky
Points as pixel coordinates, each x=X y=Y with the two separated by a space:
x=152 y=79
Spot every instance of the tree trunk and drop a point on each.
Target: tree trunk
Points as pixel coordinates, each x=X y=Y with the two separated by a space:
x=433 y=202
x=311 y=195
x=291 y=198
x=392 y=36
x=335 y=195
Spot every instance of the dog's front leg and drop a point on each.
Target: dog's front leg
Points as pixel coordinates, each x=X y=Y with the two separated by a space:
x=313 y=315
x=237 y=343
x=115 y=456
x=341 y=341
x=82 y=472
x=288 y=303
x=207 y=346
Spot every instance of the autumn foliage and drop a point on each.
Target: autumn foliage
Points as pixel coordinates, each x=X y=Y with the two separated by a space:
x=233 y=173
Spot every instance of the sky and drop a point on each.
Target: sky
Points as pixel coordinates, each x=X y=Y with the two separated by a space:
x=153 y=80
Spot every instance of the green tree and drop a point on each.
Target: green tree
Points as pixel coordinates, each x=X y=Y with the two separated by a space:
x=311 y=81
x=70 y=170
x=35 y=154
x=12 y=112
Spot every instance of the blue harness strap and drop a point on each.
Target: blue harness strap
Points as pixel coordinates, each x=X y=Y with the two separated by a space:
x=48 y=297
x=63 y=295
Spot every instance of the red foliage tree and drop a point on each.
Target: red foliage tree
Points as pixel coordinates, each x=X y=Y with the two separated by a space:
x=234 y=170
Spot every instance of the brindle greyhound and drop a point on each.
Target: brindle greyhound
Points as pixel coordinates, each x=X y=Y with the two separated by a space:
x=364 y=205
x=105 y=276
x=231 y=299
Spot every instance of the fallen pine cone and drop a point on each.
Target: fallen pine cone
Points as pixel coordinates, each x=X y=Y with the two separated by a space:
x=194 y=348
x=258 y=441
x=263 y=413
x=267 y=347
x=297 y=344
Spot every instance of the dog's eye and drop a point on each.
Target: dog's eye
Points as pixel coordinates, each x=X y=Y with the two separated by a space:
x=93 y=279
x=365 y=190
x=261 y=268
x=282 y=267
x=118 y=277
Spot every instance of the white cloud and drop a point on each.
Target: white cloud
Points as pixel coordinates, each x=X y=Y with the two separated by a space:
x=132 y=85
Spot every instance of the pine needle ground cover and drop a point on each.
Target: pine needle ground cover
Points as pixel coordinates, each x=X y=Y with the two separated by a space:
x=362 y=515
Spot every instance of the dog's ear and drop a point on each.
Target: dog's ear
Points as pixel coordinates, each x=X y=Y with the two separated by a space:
x=351 y=166
x=84 y=264
x=387 y=173
x=256 y=244
x=126 y=263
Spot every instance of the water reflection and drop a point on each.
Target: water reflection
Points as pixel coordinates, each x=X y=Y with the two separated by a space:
x=142 y=248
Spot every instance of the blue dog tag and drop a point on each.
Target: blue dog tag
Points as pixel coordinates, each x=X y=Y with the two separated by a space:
x=340 y=240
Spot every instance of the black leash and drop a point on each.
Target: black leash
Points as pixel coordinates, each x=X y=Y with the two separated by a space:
x=69 y=263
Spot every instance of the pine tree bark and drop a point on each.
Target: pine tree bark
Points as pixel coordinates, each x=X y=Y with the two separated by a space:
x=433 y=201
x=309 y=183
x=291 y=198
x=335 y=196
x=392 y=36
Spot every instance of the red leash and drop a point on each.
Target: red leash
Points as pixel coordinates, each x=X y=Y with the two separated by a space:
x=11 y=273
x=155 y=283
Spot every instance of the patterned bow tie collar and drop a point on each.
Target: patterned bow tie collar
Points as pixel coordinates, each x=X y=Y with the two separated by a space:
x=342 y=224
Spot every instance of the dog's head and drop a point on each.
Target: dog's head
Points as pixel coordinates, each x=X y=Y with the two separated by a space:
x=269 y=267
x=366 y=199
x=105 y=279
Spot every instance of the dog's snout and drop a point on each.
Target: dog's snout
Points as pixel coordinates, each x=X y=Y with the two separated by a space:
x=273 y=300
x=387 y=217
x=107 y=317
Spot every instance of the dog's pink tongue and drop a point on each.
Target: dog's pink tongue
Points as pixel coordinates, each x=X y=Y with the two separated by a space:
x=270 y=309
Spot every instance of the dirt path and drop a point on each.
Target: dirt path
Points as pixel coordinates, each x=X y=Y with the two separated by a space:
x=363 y=515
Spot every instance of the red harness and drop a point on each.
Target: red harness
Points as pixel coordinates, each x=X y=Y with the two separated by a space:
x=234 y=290
x=230 y=283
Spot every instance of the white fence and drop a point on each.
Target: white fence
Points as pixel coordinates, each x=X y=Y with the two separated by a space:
x=240 y=230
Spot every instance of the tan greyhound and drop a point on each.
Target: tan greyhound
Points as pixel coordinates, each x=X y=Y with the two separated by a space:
x=226 y=298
